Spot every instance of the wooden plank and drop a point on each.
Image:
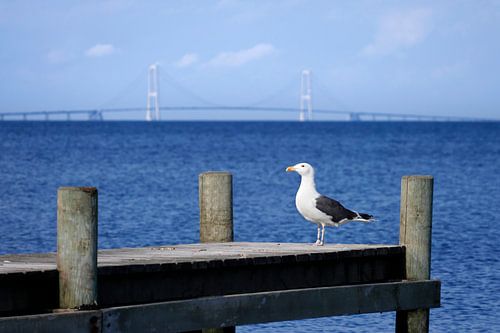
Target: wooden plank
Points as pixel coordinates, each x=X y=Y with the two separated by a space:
x=272 y=306
x=258 y=267
x=74 y=322
x=223 y=311
x=33 y=292
x=189 y=253
x=183 y=280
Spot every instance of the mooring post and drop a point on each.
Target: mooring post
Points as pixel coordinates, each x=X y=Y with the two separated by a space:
x=216 y=215
x=216 y=207
x=77 y=246
x=415 y=234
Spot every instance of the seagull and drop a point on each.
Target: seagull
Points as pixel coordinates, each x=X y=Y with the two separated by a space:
x=319 y=209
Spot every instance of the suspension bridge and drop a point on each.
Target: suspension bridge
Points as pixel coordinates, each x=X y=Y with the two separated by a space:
x=152 y=111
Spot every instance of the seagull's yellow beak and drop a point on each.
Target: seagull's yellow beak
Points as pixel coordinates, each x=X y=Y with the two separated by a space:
x=290 y=168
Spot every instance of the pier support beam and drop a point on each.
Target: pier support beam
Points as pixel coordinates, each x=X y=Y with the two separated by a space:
x=415 y=234
x=77 y=246
x=216 y=215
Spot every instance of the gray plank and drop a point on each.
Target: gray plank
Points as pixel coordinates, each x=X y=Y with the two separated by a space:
x=187 y=253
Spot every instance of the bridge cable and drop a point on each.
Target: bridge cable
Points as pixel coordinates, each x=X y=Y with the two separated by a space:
x=109 y=104
x=173 y=82
x=292 y=82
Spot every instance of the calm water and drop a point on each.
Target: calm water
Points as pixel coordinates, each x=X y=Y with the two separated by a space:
x=147 y=176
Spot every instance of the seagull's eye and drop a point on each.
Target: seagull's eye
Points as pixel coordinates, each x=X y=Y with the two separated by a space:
x=302 y=165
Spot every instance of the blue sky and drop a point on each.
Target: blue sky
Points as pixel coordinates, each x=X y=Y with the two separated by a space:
x=423 y=57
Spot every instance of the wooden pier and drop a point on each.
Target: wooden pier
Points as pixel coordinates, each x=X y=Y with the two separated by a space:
x=216 y=284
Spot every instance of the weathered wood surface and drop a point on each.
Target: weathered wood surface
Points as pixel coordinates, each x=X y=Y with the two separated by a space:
x=192 y=254
x=28 y=282
x=415 y=234
x=272 y=306
x=77 y=246
x=241 y=309
x=415 y=231
x=216 y=215
x=216 y=206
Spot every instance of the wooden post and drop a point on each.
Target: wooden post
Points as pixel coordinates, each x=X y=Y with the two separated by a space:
x=216 y=215
x=415 y=234
x=77 y=246
x=216 y=207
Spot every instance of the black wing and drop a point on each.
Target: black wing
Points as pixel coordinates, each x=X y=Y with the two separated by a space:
x=334 y=209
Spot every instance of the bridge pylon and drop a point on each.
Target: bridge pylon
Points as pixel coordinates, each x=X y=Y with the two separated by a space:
x=95 y=115
x=305 y=96
x=354 y=116
x=153 y=107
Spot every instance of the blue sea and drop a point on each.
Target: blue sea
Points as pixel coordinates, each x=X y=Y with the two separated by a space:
x=147 y=177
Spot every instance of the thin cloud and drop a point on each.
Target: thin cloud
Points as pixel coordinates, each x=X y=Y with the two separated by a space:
x=100 y=50
x=187 y=60
x=57 y=57
x=399 y=30
x=450 y=70
x=238 y=58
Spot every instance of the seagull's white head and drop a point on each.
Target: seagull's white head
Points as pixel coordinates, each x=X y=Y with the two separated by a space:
x=303 y=169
